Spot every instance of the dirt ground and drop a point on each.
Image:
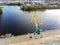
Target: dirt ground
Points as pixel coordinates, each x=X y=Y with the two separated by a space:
x=47 y=36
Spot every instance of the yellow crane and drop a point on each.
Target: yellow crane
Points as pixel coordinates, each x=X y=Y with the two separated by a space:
x=35 y=19
x=37 y=24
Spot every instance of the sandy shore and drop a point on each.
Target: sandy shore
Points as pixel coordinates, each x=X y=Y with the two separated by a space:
x=48 y=36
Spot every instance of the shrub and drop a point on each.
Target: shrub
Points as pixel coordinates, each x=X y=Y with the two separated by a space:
x=19 y=4
x=0 y=11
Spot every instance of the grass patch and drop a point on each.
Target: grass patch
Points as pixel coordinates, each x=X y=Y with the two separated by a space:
x=53 y=7
x=33 y=8
x=0 y=10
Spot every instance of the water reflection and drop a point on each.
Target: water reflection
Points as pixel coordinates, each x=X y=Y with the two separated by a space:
x=15 y=21
x=48 y=19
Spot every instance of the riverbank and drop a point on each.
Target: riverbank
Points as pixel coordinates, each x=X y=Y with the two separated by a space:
x=12 y=4
x=53 y=8
x=33 y=8
x=48 y=37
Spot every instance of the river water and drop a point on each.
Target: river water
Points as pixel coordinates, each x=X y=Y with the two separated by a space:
x=15 y=21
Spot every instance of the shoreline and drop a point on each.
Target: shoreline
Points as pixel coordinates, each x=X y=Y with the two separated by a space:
x=25 y=40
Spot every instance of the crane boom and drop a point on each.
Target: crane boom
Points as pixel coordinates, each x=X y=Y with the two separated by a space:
x=35 y=19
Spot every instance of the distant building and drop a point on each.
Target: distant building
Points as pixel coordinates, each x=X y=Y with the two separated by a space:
x=38 y=3
x=35 y=3
x=49 y=3
x=53 y=3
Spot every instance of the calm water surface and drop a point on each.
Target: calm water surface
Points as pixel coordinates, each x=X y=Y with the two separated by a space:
x=15 y=21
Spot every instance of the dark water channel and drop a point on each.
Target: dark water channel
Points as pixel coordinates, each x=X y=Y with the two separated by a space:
x=15 y=21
